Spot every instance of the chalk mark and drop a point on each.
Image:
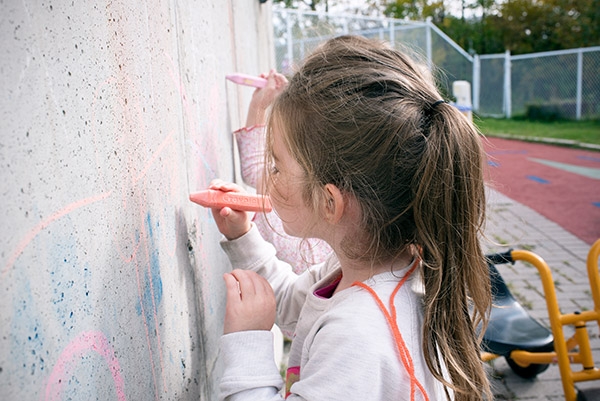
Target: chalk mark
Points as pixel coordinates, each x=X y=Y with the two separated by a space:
x=87 y=341
x=46 y=222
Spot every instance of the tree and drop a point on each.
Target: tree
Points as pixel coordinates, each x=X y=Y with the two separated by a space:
x=573 y=23
x=490 y=26
x=525 y=26
x=535 y=25
x=415 y=9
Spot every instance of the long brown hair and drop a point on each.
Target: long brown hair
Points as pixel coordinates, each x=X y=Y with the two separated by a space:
x=366 y=118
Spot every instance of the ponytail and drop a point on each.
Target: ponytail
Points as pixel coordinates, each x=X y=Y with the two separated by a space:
x=449 y=211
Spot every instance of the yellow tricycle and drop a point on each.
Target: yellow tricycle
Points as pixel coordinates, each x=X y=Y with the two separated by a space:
x=528 y=346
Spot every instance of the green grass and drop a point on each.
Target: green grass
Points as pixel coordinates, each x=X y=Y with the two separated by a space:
x=573 y=133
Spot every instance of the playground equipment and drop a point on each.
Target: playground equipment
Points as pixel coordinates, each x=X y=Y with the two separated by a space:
x=529 y=347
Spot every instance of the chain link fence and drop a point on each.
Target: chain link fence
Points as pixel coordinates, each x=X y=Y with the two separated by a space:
x=296 y=33
x=564 y=84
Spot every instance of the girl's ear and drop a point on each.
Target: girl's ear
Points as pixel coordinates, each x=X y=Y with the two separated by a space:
x=334 y=204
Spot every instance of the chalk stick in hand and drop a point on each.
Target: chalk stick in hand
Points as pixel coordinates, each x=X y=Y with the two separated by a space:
x=247 y=80
x=237 y=201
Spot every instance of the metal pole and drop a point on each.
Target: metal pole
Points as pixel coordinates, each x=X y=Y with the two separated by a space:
x=428 y=42
x=476 y=82
x=507 y=85
x=579 y=83
x=290 y=44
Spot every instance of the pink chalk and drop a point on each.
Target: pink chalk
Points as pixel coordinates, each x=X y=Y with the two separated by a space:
x=235 y=200
x=247 y=80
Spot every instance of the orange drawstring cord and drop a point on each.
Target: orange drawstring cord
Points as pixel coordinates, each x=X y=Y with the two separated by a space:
x=390 y=317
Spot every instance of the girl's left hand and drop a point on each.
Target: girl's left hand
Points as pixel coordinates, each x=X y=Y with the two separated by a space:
x=262 y=98
x=250 y=302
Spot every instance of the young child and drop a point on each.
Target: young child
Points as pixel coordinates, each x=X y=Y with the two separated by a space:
x=363 y=154
x=300 y=253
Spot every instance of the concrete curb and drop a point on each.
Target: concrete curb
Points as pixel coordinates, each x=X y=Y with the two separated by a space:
x=550 y=141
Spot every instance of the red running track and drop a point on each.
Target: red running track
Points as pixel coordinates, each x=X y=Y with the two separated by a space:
x=560 y=183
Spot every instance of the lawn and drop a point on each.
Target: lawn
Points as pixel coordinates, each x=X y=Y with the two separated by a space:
x=572 y=133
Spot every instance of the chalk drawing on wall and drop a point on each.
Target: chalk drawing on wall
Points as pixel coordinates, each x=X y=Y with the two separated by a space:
x=67 y=363
x=111 y=278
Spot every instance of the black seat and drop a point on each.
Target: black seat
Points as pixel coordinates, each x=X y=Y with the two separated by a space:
x=511 y=327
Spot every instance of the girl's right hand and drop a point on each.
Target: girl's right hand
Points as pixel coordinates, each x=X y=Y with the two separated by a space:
x=231 y=223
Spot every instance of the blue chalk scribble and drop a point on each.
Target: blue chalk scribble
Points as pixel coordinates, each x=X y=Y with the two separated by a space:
x=151 y=281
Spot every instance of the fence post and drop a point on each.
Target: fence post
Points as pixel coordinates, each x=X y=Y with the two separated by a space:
x=507 y=85
x=476 y=82
x=290 y=39
x=428 y=42
x=579 y=83
x=302 y=42
x=392 y=32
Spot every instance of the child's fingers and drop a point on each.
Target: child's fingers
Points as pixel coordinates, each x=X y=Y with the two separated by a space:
x=252 y=283
x=281 y=80
x=215 y=183
x=233 y=288
x=225 y=186
x=234 y=217
x=272 y=81
x=246 y=281
x=266 y=299
x=256 y=288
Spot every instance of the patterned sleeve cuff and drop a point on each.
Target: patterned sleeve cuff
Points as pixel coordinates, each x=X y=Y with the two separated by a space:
x=251 y=145
x=256 y=127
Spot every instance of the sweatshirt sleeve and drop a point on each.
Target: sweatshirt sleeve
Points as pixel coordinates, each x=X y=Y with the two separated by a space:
x=252 y=252
x=249 y=370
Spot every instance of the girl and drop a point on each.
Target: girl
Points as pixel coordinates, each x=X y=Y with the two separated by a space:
x=300 y=253
x=363 y=154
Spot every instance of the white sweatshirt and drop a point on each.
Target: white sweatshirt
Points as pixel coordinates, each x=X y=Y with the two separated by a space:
x=342 y=346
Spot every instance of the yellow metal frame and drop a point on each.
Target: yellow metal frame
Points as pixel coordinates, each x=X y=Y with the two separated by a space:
x=564 y=354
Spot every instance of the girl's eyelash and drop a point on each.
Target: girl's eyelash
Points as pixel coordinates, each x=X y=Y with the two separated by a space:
x=273 y=169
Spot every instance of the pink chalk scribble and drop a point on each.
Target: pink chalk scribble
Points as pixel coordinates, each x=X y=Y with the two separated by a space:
x=45 y=223
x=85 y=342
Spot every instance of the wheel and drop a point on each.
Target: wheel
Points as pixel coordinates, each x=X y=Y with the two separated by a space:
x=528 y=372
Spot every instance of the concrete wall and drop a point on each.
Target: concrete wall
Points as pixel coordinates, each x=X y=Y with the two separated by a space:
x=111 y=113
